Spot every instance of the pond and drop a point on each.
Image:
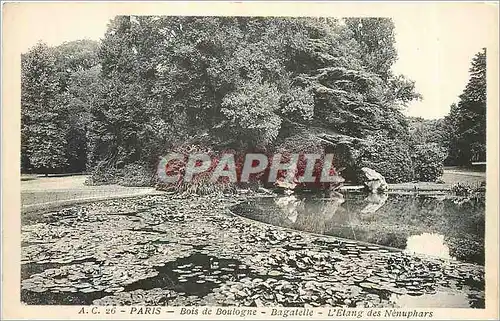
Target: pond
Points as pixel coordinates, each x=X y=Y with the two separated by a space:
x=438 y=225
x=193 y=251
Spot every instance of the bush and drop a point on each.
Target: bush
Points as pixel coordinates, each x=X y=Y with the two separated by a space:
x=391 y=158
x=303 y=142
x=469 y=190
x=460 y=189
x=136 y=175
x=428 y=161
x=103 y=175
x=200 y=183
x=131 y=175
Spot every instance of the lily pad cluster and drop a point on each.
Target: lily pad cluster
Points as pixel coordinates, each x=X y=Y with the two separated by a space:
x=185 y=250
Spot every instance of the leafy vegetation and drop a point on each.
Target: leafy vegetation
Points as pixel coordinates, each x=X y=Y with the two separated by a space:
x=389 y=157
x=461 y=134
x=242 y=83
x=428 y=161
x=57 y=92
x=466 y=121
x=43 y=139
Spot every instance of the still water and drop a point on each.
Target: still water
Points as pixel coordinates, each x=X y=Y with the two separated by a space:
x=436 y=225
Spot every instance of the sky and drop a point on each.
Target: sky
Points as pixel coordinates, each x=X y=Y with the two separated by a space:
x=435 y=45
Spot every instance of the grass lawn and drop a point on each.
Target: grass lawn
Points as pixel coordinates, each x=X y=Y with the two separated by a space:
x=454 y=175
x=40 y=189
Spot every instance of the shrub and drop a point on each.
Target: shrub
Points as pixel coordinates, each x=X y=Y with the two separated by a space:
x=391 y=158
x=306 y=143
x=428 y=161
x=461 y=189
x=477 y=191
x=103 y=175
x=200 y=183
x=136 y=174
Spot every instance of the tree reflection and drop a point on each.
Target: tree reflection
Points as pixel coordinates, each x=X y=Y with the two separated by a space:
x=387 y=219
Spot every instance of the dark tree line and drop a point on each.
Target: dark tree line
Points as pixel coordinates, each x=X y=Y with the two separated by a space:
x=466 y=122
x=55 y=103
x=462 y=133
x=244 y=82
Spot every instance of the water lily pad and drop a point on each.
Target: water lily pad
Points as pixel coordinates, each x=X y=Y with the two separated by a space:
x=274 y=273
x=38 y=289
x=114 y=289
x=367 y=285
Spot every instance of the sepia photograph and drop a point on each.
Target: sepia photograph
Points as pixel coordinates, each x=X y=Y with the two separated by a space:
x=257 y=165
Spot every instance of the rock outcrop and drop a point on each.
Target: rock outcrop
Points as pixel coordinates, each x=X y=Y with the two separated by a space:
x=374 y=180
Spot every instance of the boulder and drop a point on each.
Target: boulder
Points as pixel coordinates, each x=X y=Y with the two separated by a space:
x=374 y=180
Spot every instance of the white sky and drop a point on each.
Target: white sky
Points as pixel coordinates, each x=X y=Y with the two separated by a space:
x=435 y=47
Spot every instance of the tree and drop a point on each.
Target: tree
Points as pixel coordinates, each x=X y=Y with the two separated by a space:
x=425 y=131
x=56 y=96
x=237 y=80
x=72 y=57
x=43 y=124
x=77 y=70
x=118 y=114
x=377 y=43
x=467 y=119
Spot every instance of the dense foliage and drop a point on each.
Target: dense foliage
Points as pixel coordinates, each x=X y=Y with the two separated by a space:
x=42 y=136
x=462 y=133
x=423 y=131
x=466 y=122
x=429 y=141
x=389 y=157
x=242 y=82
x=428 y=161
x=56 y=98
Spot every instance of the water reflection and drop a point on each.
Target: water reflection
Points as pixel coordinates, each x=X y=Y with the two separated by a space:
x=437 y=300
x=426 y=224
x=429 y=244
x=290 y=205
x=375 y=201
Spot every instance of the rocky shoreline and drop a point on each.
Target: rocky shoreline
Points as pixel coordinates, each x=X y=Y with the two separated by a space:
x=183 y=250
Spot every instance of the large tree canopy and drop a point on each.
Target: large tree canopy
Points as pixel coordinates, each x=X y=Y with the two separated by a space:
x=42 y=134
x=242 y=82
x=56 y=96
x=239 y=78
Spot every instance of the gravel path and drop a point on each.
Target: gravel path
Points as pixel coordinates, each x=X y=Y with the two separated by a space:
x=40 y=193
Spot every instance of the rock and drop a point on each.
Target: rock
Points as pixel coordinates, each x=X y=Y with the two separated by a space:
x=375 y=181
